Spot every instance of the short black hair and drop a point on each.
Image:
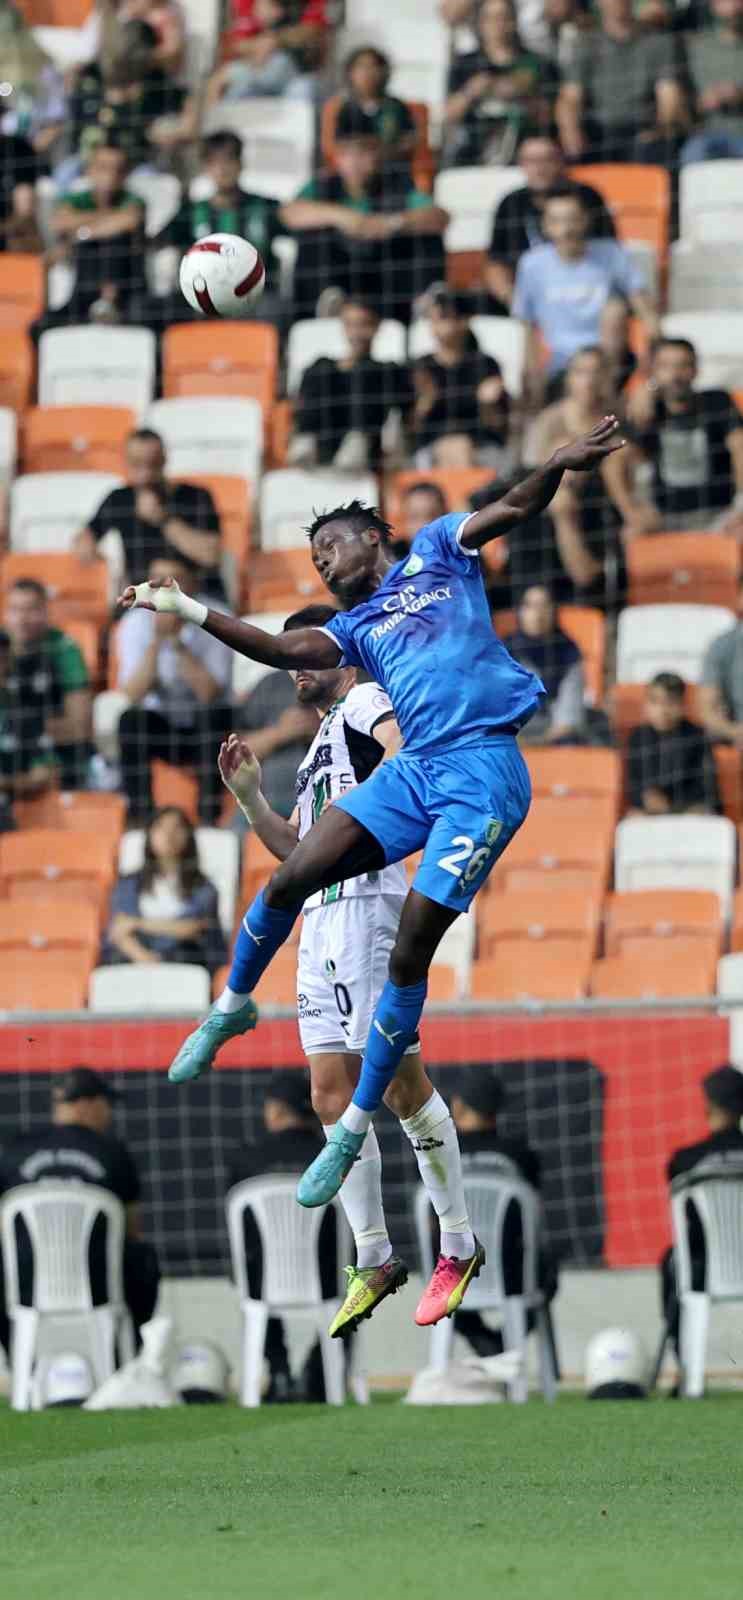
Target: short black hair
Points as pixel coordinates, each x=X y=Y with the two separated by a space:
x=669 y=342
x=427 y=487
x=223 y=139
x=357 y=514
x=565 y=191
x=381 y=59
x=670 y=683
x=148 y=435
x=310 y=617
x=31 y=586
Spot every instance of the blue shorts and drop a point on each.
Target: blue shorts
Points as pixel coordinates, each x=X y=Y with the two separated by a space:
x=461 y=808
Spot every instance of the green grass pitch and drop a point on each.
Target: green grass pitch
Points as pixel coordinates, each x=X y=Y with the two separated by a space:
x=574 y=1502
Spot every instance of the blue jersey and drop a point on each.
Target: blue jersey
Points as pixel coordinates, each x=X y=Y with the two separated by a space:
x=426 y=637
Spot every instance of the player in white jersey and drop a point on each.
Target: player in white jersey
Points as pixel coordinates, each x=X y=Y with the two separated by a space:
x=347 y=936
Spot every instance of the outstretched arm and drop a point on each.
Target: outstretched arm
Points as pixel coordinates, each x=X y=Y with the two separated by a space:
x=240 y=772
x=527 y=499
x=301 y=647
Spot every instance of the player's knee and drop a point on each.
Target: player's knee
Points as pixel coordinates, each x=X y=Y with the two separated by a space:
x=330 y=1094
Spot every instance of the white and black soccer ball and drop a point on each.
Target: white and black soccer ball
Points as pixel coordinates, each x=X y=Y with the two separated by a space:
x=222 y=275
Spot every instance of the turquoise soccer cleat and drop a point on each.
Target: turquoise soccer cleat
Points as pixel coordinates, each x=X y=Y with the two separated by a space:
x=198 y=1051
x=323 y=1178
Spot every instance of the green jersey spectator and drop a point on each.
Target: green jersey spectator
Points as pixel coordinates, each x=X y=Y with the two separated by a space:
x=47 y=689
x=227 y=208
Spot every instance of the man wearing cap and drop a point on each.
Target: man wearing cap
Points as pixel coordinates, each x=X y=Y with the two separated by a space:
x=78 y=1144
x=720 y=1155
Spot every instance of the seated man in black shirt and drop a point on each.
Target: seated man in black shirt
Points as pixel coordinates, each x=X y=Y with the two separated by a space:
x=517 y=224
x=155 y=518
x=343 y=405
x=78 y=1144
x=99 y=228
x=720 y=1155
x=462 y=413
x=671 y=765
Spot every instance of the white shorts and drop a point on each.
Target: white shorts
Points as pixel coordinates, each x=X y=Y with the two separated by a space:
x=344 y=954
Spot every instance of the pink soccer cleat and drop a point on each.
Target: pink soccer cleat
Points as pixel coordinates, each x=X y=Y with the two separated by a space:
x=448 y=1287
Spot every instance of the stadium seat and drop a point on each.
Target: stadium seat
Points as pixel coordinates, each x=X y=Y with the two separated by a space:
x=654 y=639
x=710 y=204
x=313 y=337
x=161 y=193
x=163 y=989
x=80 y=810
x=175 y=786
x=421 y=161
x=665 y=568
x=202 y=18
x=730 y=977
x=656 y=974
x=641 y=916
x=418 y=48
x=22 y=290
x=444 y=984
x=700 y=277
x=627 y=706
x=570 y=772
x=17 y=366
x=288 y=499
x=48 y=508
x=717 y=337
x=247 y=674
x=456 y=483
x=676 y=853
x=58 y=861
x=8 y=443
x=471 y=195
x=729 y=780
x=79 y=364
x=49 y=925
x=736 y=930
x=238 y=359
x=76 y=438
x=549 y=971
x=232 y=444
x=559 y=854
x=44 y=980
x=284 y=580
x=586 y=625
x=219 y=853
x=507 y=921
x=503 y=338
x=232 y=498
x=278 y=139
x=75 y=588
x=638 y=197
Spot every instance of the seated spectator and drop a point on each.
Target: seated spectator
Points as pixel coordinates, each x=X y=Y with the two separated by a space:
x=720 y=1155
x=721 y=685
x=78 y=1143
x=715 y=63
x=540 y=644
x=164 y=17
x=18 y=225
x=477 y=1103
x=623 y=95
x=47 y=698
x=494 y=92
x=168 y=911
x=671 y=767
x=343 y=405
x=364 y=230
x=537 y=20
x=366 y=74
x=420 y=504
x=575 y=291
x=462 y=412
x=253 y=39
x=177 y=678
x=517 y=224
x=264 y=65
x=692 y=440
x=99 y=228
x=27 y=764
x=155 y=518
x=281 y=732
x=130 y=102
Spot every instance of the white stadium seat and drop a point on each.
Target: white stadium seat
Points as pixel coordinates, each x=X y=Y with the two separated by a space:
x=247 y=674
x=165 y=988
x=418 y=47
x=711 y=201
x=202 y=19
x=278 y=142
x=84 y=366
x=48 y=508
x=8 y=443
x=218 y=858
x=717 y=337
x=503 y=338
x=730 y=977
x=289 y=498
x=161 y=193
x=472 y=195
x=314 y=337
x=206 y=435
x=672 y=638
x=700 y=276
x=676 y=853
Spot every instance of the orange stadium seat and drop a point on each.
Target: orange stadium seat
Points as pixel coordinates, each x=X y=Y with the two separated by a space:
x=51 y=925
x=87 y=637
x=736 y=930
x=284 y=580
x=639 y=917
x=80 y=810
x=662 y=972
x=278 y=986
x=22 y=290
x=587 y=627
x=231 y=497
x=443 y=983
x=44 y=980
x=555 y=852
x=175 y=786
x=57 y=861
x=540 y=972
x=422 y=161
x=669 y=567
x=638 y=197
x=75 y=588
x=239 y=359
x=76 y=438
x=571 y=772
x=729 y=780
x=456 y=483
x=505 y=921
x=17 y=369
x=258 y=864
x=55 y=13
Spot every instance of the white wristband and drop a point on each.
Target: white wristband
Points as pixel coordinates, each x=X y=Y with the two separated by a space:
x=173 y=601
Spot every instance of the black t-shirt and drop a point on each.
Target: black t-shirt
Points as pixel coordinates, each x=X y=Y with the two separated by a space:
x=144 y=541
x=488 y=1155
x=692 y=469
x=721 y=1153
x=517 y=224
x=679 y=763
x=17 y=165
x=70 y=1152
x=96 y=118
x=333 y=399
x=252 y=216
x=456 y=409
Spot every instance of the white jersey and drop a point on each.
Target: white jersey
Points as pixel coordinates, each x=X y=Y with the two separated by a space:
x=343 y=753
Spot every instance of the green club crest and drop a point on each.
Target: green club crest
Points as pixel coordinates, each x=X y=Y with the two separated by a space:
x=414 y=565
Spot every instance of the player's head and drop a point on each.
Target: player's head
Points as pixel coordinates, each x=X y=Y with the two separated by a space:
x=366 y=72
x=314 y=687
x=358 y=150
x=221 y=155
x=723 y=1097
x=287 y=1102
x=26 y=614
x=350 y=547
x=145 y=459
x=674 y=368
x=565 y=218
x=421 y=503
x=664 y=701
x=106 y=172
x=536 y=611
x=82 y=1098
x=477 y=1100
x=587 y=377
x=360 y=323
x=542 y=162
x=173 y=566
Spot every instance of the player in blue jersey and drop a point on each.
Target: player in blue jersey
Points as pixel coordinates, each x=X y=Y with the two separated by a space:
x=458 y=790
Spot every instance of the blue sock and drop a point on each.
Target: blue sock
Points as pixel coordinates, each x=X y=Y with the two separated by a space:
x=393 y=1029
x=256 y=948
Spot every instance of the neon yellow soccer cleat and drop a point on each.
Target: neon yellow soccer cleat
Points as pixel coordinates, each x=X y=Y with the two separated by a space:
x=365 y=1290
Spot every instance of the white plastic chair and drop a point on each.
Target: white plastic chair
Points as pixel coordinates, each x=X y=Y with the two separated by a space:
x=81 y=366
x=488 y=1199
x=711 y=200
x=165 y=989
x=313 y=337
x=672 y=638
x=718 y=1203
x=161 y=192
x=676 y=853
x=717 y=337
x=291 y=1284
x=206 y=435
x=59 y=1216
x=699 y=275
x=218 y=852
x=278 y=138
x=8 y=444
x=501 y=337
x=472 y=195
x=202 y=18
x=48 y=508
x=290 y=496
x=730 y=977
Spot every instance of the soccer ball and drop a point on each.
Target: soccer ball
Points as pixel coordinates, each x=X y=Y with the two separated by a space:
x=222 y=275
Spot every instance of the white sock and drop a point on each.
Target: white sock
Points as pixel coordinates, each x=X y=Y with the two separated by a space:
x=228 y=1001
x=434 y=1139
x=355 y=1119
x=361 y=1199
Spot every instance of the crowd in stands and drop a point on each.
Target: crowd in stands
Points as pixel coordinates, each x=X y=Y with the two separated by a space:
x=483 y=231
